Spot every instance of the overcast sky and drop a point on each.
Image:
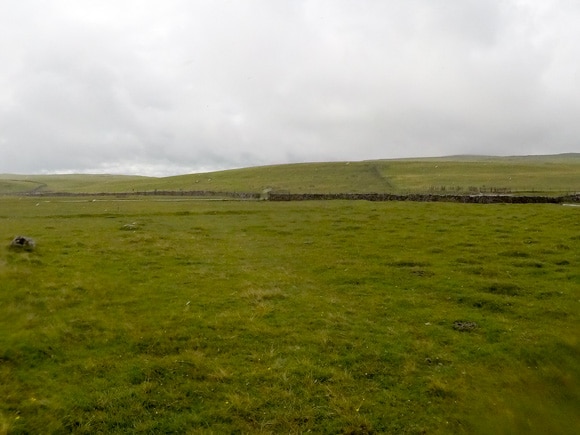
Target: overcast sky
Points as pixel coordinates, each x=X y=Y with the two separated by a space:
x=160 y=87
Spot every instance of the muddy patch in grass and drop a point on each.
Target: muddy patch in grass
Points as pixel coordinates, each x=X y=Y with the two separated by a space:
x=464 y=325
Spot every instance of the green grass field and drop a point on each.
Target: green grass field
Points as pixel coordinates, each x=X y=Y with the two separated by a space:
x=551 y=175
x=257 y=317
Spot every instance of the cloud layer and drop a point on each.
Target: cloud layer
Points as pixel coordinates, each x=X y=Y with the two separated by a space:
x=165 y=87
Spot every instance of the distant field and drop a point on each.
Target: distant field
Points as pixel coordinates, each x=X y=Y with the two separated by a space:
x=516 y=174
x=156 y=316
x=10 y=183
x=551 y=175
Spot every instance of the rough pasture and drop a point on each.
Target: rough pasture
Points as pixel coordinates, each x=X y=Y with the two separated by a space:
x=287 y=317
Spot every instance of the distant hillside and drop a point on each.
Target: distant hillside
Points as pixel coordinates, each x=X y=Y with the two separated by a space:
x=457 y=174
x=11 y=183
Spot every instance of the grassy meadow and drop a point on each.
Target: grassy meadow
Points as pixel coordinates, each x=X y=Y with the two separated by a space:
x=154 y=316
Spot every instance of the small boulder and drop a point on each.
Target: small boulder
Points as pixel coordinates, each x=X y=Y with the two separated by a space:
x=130 y=227
x=23 y=243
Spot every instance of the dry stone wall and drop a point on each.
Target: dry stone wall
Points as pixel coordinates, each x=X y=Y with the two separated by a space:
x=285 y=196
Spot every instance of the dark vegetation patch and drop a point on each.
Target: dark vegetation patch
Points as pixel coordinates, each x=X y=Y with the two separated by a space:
x=515 y=254
x=549 y=294
x=410 y=263
x=464 y=325
x=503 y=288
x=562 y=263
x=531 y=264
x=423 y=273
x=492 y=305
x=468 y=260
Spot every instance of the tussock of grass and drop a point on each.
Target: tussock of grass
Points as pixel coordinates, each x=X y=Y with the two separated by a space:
x=333 y=317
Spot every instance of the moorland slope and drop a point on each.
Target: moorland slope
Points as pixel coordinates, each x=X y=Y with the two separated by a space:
x=551 y=174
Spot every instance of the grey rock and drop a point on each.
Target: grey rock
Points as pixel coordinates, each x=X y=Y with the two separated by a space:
x=23 y=243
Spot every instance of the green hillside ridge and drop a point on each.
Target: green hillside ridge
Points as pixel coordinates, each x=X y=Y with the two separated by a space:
x=85 y=183
x=467 y=174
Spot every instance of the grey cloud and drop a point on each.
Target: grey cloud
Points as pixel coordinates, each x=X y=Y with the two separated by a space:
x=177 y=86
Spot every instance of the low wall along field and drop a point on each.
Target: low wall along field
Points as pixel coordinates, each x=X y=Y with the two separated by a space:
x=278 y=196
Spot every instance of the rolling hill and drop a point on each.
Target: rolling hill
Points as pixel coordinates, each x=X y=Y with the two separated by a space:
x=551 y=174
